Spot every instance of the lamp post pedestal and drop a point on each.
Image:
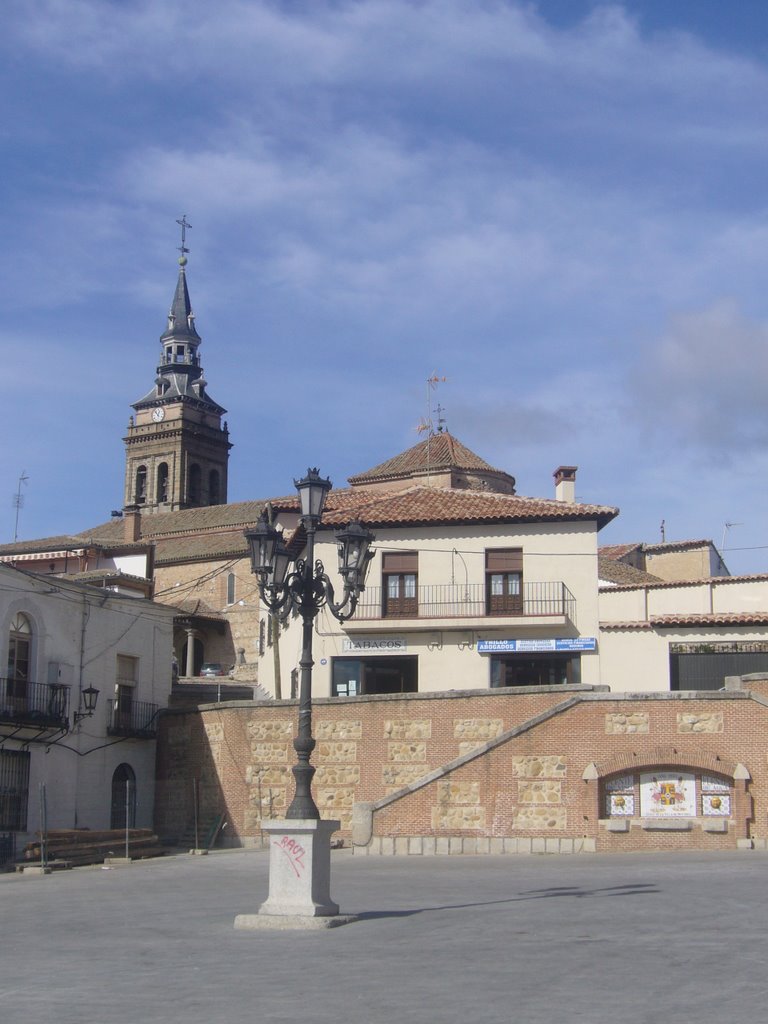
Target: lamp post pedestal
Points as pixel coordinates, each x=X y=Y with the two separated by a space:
x=300 y=844
x=299 y=877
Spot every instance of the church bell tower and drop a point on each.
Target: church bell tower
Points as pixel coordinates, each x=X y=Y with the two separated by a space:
x=177 y=449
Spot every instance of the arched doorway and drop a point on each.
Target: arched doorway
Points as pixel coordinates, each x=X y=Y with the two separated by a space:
x=123 y=811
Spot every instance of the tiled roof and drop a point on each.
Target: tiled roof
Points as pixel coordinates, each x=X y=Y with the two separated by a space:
x=437 y=505
x=438 y=452
x=196 y=533
x=720 y=581
x=216 y=531
x=617 y=551
x=712 y=619
x=195 y=608
x=201 y=547
x=62 y=542
x=691 y=619
x=106 y=574
x=620 y=574
x=626 y=624
x=189 y=520
x=676 y=545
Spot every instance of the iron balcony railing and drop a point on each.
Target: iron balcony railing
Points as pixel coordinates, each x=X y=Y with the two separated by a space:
x=26 y=703
x=136 y=718
x=462 y=601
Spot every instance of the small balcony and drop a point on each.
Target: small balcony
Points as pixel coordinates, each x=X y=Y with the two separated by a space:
x=466 y=606
x=136 y=718
x=33 y=705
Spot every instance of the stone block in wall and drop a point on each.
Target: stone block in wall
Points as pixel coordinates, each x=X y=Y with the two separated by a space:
x=270 y=729
x=337 y=775
x=340 y=751
x=408 y=729
x=268 y=799
x=705 y=721
x=633 y=722
x=267 y=752
x=339 y=729
x=336 y=799
x=480 y=730
x=267 y=775
x=251 y=820
x=406 y=752
x=401 y=775
x=449 y=792
x=532 y=766
x=537 y=818
x=458 y=818
x=541 y=791
x=214 y=731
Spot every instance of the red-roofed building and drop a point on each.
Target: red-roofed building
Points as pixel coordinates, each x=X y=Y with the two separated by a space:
x=471 y=584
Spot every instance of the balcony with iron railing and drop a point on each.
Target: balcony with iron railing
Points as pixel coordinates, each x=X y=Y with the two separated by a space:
x=463 y=605
x=41 y=705
x=136 y=718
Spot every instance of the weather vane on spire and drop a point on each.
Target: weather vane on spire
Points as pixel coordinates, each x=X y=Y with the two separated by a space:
x=184 y=224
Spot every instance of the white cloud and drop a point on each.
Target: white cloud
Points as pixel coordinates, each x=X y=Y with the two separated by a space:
x=702 y=382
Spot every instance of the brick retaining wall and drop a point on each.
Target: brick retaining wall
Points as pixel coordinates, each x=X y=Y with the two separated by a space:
x=514 y=770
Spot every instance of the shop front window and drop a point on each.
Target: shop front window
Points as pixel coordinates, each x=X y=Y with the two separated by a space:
x=383 y=674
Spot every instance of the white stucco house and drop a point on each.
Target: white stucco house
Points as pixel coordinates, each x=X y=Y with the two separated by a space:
x=64 y=762
x=471 y=585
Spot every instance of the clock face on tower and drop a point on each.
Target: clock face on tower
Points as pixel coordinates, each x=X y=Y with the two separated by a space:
x=158 y=415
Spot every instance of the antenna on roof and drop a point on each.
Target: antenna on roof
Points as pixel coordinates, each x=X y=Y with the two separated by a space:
x=432 y=383
x=663 y=531
x=726 y=528
x=18 y=503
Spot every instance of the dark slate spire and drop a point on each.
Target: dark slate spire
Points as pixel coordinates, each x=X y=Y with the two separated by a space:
x=180 y=375
x=181 y=319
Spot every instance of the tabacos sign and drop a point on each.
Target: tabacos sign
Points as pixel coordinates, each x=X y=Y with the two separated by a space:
x=374 y=645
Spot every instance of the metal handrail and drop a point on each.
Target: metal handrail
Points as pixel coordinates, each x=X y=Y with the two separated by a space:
x=34 y=703
x=461 y=600
x=133 y=718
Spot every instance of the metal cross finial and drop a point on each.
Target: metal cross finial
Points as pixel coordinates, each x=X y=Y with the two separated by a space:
x=184 y=224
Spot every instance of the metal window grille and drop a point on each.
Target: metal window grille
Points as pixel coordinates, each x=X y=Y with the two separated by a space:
x=14 y=789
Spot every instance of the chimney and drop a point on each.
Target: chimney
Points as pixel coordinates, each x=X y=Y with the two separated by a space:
x=132 y=523
x=565 y=483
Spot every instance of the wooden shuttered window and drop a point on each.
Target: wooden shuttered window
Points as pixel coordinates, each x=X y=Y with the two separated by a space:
x=504 y=581
x=401 y=561
x=504 y=560
x=401 y=573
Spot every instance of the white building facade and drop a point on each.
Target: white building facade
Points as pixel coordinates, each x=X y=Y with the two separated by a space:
x=683 y=635
x=468 y=588
x=62 y=767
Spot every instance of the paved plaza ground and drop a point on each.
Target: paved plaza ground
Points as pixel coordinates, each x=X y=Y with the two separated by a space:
x=624 y=939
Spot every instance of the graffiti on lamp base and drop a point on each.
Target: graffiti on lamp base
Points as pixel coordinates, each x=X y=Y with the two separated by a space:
x=295 y=852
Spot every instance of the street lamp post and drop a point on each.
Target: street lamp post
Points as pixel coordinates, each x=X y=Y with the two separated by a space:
x=302 y=838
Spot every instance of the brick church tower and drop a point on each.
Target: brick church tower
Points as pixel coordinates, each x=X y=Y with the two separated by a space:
x=177 y=449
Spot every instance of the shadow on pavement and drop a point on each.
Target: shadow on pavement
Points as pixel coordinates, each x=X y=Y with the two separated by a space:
x=578 y=892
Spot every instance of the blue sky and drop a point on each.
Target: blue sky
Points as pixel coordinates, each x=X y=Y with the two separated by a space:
x=558 y=206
